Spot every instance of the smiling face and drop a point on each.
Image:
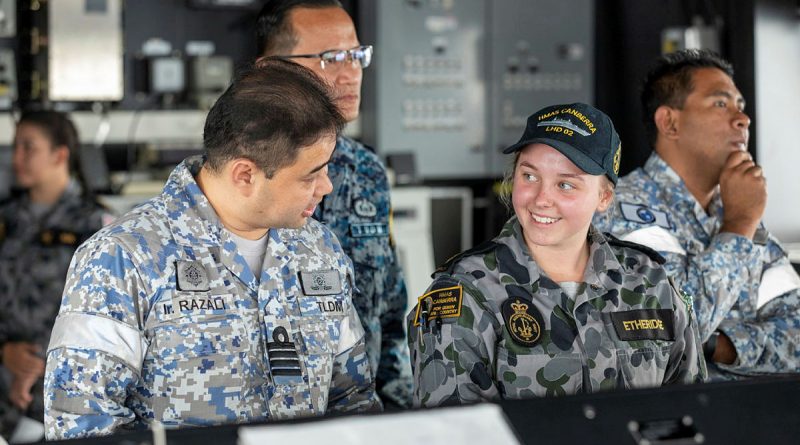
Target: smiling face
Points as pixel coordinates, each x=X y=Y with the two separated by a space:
x=289 y=198
x=712 y=123
x=324 y=29
x=555 y=200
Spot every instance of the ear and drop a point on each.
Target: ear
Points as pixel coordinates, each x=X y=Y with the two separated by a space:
x=666 y=119
x=606 y=197
x=61 y=153
x=243 y=174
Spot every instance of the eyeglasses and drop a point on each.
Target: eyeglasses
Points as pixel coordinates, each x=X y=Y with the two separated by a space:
x=336 y=57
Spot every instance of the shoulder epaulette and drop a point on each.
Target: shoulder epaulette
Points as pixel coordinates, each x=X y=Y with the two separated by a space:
x=654 y=255
x=481 y=248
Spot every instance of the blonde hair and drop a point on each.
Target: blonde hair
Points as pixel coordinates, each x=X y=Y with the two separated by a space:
x=507 y=184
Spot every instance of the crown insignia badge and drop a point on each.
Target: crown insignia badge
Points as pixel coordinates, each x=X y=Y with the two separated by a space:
x=523 y=321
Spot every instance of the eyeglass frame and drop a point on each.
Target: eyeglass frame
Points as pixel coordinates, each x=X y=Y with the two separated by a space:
x=349 y=52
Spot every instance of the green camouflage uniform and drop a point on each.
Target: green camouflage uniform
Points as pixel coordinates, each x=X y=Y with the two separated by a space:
x=494 y=326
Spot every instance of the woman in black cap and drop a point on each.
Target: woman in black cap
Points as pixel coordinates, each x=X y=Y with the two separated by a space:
x=551 y=306
x=40 y=228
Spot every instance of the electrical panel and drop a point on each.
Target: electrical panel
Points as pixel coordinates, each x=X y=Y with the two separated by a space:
x=536 y=61
x=209 y=78
x=69 y=50
x=453 y=81
x=8 y=79
x=167 y=75
x=426 y=90
x=85 y=50
x=8 y=18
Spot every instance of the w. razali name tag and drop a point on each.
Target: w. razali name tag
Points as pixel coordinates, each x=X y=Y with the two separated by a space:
x=644 y=324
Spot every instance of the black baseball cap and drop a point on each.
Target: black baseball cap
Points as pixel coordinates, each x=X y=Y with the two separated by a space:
x=580 y=132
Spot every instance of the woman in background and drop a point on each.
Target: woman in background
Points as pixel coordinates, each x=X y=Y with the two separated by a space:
x=40 y=228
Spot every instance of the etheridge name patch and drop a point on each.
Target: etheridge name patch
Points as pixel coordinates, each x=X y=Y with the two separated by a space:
x=644 y=324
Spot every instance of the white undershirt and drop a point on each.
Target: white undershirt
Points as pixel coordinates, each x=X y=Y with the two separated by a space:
x=570 y=288
x=252 y=251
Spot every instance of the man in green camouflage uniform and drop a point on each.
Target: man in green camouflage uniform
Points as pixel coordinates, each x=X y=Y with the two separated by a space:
x=493 y=325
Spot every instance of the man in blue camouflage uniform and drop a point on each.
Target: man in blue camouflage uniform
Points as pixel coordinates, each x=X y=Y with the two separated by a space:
x=551 y=306
x=698 y=200
x=39 y=231
x=320 y=35
x=220 y=300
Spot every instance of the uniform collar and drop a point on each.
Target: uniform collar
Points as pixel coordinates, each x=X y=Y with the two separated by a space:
x=192 y=220
x=674 y=192
x=71 y=193
x=345 y=150
x=600 y=270
x=194 y=223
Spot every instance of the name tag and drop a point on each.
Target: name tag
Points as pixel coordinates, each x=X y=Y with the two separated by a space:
x=361 y=230
x=194 y=304
x=644 y=215
x=202 y=304
x=325 y=282
x=334 y=305
x=644 y=324
x=440 y=303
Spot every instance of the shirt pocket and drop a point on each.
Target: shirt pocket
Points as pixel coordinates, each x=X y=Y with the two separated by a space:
x=318 y=339
x=533 y=372
x=319 y=333
x=197 y=354
x=321 y=321
x=639 y=363
x=197 y=324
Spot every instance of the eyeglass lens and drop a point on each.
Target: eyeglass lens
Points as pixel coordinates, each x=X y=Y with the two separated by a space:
x=362 y=55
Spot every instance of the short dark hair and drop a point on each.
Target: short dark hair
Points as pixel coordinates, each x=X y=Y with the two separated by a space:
x=56 y=126
x=669 y=82
x=274 y=32
x=268 y=114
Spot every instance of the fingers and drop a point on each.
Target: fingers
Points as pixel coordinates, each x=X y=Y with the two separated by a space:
x=36 y=365
x=22 y=359
x=21 y=400
x=28 y=365
x=736 y=158
x=756 y=171
x=750 y=168
x=20 y=394
x=741 y=162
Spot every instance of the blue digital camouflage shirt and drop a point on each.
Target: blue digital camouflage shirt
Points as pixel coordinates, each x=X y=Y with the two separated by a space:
x=162 y=319
x=746 y=289
x=358 y=212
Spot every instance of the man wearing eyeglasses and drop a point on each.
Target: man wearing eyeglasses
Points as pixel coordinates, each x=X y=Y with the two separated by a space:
x=320 y=35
